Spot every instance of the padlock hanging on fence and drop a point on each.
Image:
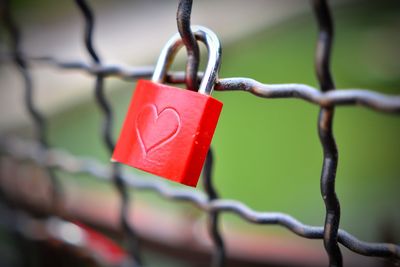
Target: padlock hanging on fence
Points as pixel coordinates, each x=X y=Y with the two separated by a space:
x=167 y=130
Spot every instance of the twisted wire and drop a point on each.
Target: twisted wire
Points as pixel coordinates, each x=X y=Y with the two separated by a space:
x=27 y=250
x=48 y=229
x=219 y=257
x=38 y=120
x=193 y=57
x=63 y=160
x=193 y=53
x=102 y=102
x=339 y=97
x=325 y=121
x=327 y=99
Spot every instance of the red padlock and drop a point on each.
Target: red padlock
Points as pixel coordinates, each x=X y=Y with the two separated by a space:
x=168 y=130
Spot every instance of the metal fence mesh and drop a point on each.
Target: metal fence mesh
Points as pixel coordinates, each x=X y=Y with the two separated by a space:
x=327 y=98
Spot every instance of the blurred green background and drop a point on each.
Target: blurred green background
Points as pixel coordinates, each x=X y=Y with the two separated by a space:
x=268 y=153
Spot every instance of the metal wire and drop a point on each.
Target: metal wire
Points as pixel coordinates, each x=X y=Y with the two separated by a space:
x=50 y=229
x=213 y=216
x=193 y=58
x=193 y=53
x=132 y=239
x=38 y=120
x=325 y=120
x=340 y=97
x=62 y=160
x=327 y=99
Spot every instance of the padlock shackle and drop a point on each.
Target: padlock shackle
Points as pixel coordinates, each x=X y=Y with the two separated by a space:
x=172 y=47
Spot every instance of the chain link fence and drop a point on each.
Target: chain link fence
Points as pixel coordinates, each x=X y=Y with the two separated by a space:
x=51 y=159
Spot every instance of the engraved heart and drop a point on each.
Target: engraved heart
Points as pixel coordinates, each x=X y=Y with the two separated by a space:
x=154 y=129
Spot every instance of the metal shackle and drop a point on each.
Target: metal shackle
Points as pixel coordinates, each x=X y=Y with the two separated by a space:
x=173 y=45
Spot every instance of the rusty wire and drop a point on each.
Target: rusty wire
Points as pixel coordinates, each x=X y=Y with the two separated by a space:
x=327 y=99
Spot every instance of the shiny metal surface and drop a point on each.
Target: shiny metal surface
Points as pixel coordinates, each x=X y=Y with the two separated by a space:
x=214 y=58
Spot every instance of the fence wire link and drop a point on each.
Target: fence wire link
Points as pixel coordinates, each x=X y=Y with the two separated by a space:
x=107 y=128
x=189 y=40
x=193 y=59
x=340 y=97
x=63 y=160
x=38 y=120
x=325 y=120
x=328 y=98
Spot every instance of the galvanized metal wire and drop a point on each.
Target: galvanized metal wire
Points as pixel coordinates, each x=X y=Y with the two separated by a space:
x=328 y=98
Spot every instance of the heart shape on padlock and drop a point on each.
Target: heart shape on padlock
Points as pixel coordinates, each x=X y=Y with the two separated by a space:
x=155 y=129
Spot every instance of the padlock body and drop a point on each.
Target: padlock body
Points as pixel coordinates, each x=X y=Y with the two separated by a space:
x=168 y=131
